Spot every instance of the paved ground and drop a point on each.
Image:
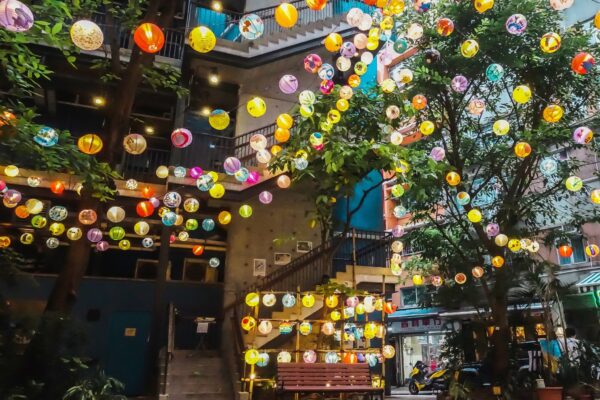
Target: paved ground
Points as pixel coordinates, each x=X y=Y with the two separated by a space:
x=402 y=393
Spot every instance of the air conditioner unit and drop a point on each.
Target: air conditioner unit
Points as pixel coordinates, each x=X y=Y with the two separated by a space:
x=146 y=269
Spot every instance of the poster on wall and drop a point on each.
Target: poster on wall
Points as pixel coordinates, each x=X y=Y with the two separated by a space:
x=282 y=258
x=303 y=246
x=260 y=267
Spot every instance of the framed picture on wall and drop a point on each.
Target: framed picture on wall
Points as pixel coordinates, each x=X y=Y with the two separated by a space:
x=282 y=258
x=260 y=267
x=303 y=246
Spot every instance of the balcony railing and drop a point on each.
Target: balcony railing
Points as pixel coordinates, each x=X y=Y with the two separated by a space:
x=225 y=24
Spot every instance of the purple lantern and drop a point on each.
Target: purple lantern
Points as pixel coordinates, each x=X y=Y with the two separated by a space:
x=516 y=24
x=155 y=202
x=94 y=235
x=196 y=172
x=492 y=230
x=15 y=16
x=265 y=197
x=459 y=83
x=253 y=178
x=102 y=246
x=288 y=84
x=231 y=165
x=398 y=231
x=348 y=50
x=437 y=154
x=181 y=138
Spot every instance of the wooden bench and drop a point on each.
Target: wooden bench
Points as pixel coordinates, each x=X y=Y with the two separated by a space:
x=325 y=379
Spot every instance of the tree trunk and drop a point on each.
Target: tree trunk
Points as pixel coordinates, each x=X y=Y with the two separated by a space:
x=500 y=341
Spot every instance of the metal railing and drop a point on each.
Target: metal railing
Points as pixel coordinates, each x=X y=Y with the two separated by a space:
x=174 y=38
x=143 y=167
x=225 y=24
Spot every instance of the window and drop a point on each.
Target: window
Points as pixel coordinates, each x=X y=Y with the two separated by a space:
x=578 y=255
x=412 y=296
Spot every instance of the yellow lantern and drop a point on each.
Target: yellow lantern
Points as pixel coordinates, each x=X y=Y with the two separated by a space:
x=217 y=191
x=4 y=242
x=335 y=315
x=553 y=113
x=453 y=178
x=224 y=217
x=252 y=299
x=251 y=357
x=342 y=105
x=26 y=238
x=124 y=244
x=574 y=183
x=286 y=15
x=427 y=128
x=256 y=107
x=387 y=23
x=521 y=94
x=469 y=48
x=360 y=309
x=333 y=42
x=56 y=228
x=501 y=240
x=417 y=279
x=501 y=127
x=115 y=214
x=285 y=121
x=11 y=171
x=474 y=216
x=334 y=116
x=498 y=261
x=514 y=245
x=202 y=39
x=89 y=144
x=248 y=323
x=388 y=85
x=332 y=301
x=245 y=211
x=595 y=196
x=219 y=119
x=141 y=228
x=162 y=171
x=483 y=5
x=276 y=149
x=550 y=42
x=597 y=20
x=522 y=149
x=370 y=330
x=34 y=206
x=388 y=351
x=308 y=300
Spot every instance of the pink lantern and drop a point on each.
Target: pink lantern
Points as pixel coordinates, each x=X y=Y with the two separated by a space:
x=398 y=231
x=265 y=197
x=312 y=63
x=15 y=16
x=327 y=86
x=102 y=246
x=437 y=154
x=196 y=172
x=253 y=178
x=288 y=84
x=181 y=138
x=492 y=230
x=94 y=235
x=231 y=165
x=155 y=202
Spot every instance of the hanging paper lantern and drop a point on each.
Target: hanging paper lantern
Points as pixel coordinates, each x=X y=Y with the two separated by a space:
x=134 y=144
x=86 y=35
x=102 y=246
x=245 y=211
x=305 y=328
x=516 y=24
x=52 y=243
x=333 y=42
x=116 y=233
x=286 y=15
x=477 y=272
x=56 y=228
x=252 y=299
x=288 y=300
x=483 y=5
x=498 y=261
x=198 y=249
x=459 y=84
x=550 y=42
x=312 y=63
x=592 y=250
x=419 y=102
x=331 y=357
x=514 y=245
x=443 y=26
x=474 y=216
x=141 y=228
x=179 y=172
x=251 y=26
x=162 y=171
x=288 y=84
x=521 y=94
x=522 y=149
x=460 y=278
x=219 y=119
x=256 y=107
x=169 y=218
x=582 y=63
x=202 y=39
x=308 y=300
x=248 y=323
x=553 y=113
x=595 y=196
x=417 y=279
x=501 y=127
x=15 y=16
x=388 y=351
x=560 y=5
x=284 y=181
x=597 y=20
x=94 y=235
x=252 y=356
x=57 y=187
x=224 y=217
x=144 y=209
x=414 y=31
x=565 y=251
x=574 y=183
x=583 y=135
x=89 y=144
x=115 y=214
x=427 y=128
x=453 y=178
x=11 y=171
x=46 y=137
x=181 y=138
x=265 y=327
x=469 y=48
x=494 y=72
x=501 y=240
x=124 y=244
x=149 y=37
x=26 y=238
x=38 y=222
x=284 y=357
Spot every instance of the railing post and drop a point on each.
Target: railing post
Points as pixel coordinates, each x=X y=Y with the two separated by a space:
x=354 y=258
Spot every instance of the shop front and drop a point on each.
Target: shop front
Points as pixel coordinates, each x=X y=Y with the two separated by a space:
x=417 y=335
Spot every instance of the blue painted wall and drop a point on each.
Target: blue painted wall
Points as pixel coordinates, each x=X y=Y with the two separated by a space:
x=370 y=215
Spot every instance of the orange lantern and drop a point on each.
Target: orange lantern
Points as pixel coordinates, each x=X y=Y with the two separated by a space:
x=282 y=135
x=147 y=192
x=460 y=278
x=565 y=250
x=144 y=209
x=498 y=261
x=354 y=80
x=57 y=187
x=419 y=102
x=22 y=212
x=149 y=37
x=389 y=307
x=198 y=250
x=89 y=144
x=350 y=358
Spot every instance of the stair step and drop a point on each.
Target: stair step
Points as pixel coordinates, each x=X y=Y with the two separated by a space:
x=203 y=396
x=194 y=387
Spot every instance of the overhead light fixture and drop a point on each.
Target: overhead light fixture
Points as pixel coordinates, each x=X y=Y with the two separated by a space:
x=213 y=77
x=205 y=111
x=217 y=6
x=149 y=130
x=99 y=101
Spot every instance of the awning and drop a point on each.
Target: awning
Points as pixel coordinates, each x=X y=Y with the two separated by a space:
x=415 y=313
x=592 y=279
x=580 y=301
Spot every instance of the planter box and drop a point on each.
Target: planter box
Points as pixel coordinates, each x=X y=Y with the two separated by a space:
x=550 y=393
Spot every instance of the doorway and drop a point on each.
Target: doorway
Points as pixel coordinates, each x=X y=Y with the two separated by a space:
x=423 y=347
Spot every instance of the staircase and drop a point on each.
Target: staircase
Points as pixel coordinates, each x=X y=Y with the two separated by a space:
x=311 y=26
x=198 y=375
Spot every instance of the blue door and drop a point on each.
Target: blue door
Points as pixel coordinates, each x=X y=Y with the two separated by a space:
x=128 y=342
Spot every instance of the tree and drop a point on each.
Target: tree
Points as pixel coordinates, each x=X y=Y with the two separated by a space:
x=516 y=188
x=24 y=67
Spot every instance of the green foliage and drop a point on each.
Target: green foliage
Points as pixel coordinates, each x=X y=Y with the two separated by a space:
x=96 y=387
x=582 y=369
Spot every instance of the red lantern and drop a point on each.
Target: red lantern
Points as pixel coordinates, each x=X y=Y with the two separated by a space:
x=350 y=358
x=198 y=250
x=582 y=63
x=147 y=192
x=149 y=38
x=565 y=250
x=144 y=209
x=57 y=187
x=389 y=307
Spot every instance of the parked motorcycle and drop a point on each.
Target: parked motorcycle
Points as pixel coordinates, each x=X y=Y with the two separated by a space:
x=423 y=380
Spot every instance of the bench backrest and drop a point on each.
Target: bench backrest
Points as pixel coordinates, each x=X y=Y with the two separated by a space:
x=323 y=374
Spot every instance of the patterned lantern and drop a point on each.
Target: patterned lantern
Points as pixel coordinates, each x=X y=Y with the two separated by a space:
x=86 y=35
x=149 y=37
x=134 y=144
x=89 y=143
x=15 y=16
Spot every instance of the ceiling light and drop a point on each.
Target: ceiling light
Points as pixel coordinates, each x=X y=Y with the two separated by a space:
x=213 y=77
x=205 y=111
x=149 y=130
x=99 y=101
x=217 y=6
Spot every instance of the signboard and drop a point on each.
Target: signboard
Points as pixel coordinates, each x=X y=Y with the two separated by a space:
x=417 y=325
